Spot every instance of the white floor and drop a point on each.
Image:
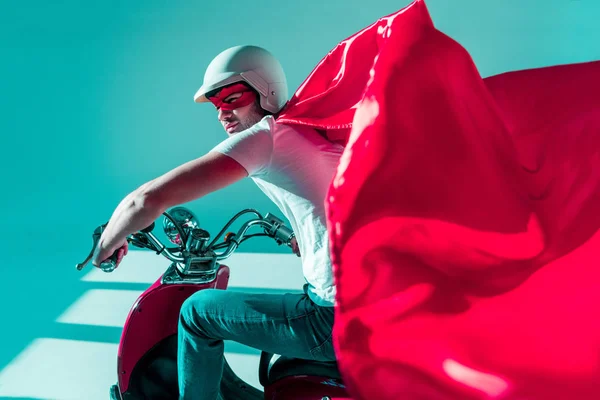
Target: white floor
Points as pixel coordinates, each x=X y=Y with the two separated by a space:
x=72 y=369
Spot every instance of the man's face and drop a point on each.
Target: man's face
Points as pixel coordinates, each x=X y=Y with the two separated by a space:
x=234 y=112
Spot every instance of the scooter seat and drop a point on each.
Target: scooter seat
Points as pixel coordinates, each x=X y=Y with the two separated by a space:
x=274 y=367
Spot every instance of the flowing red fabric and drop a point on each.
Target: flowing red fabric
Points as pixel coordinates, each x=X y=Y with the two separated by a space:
x=464 y=218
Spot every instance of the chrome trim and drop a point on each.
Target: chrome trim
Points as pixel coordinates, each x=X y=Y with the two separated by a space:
x=173 y=276
x=233 y=245
x=154 y=240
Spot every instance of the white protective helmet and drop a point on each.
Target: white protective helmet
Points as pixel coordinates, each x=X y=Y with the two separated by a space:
x=253 y=65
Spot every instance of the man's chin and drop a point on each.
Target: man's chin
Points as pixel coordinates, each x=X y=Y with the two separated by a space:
x=234 y=131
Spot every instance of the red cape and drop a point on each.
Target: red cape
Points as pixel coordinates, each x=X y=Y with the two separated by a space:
x=464 y=218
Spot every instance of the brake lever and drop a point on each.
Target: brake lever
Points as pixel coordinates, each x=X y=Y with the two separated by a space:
x=109 y=264
x=96 y=238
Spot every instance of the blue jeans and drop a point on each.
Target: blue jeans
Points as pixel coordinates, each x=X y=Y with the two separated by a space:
x=286 y=324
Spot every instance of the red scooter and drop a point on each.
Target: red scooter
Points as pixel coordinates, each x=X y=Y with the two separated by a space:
x=147 y=355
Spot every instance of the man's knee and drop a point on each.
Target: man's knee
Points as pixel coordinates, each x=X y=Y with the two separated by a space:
x=198 y=310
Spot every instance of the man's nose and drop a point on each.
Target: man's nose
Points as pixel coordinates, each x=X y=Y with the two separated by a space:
x=224 y=114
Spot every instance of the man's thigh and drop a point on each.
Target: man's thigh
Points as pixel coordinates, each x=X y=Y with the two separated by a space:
x=287 y=324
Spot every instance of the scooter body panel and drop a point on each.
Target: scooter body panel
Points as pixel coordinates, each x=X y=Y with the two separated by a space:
x=304 y=387
x=154 y=317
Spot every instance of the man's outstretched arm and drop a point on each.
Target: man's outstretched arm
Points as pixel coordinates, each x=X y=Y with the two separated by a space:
x=185 y=183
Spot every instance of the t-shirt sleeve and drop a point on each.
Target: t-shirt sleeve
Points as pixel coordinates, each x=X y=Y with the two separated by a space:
x=251 y=148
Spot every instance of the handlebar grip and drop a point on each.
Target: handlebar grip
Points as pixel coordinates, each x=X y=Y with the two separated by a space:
x=284 y=234
x=278 y=231
x=109 y=264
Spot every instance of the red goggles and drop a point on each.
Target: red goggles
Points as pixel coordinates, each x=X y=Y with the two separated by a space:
x=248 y=97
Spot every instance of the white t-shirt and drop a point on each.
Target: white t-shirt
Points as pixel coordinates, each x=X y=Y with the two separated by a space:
x=294 y=166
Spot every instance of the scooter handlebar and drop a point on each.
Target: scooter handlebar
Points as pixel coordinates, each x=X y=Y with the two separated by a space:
x=273 y=227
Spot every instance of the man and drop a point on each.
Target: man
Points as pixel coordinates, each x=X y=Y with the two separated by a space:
x=293 y=166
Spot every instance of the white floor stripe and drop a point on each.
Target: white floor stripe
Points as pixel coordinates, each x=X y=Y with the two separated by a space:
x=101 y=307
x=61 y=369
x=268 y=271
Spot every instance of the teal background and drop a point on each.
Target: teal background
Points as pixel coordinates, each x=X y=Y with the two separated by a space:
x=97 y=98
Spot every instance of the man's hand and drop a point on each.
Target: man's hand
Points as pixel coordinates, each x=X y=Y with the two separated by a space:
x=102 y=253
x=295 y=248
